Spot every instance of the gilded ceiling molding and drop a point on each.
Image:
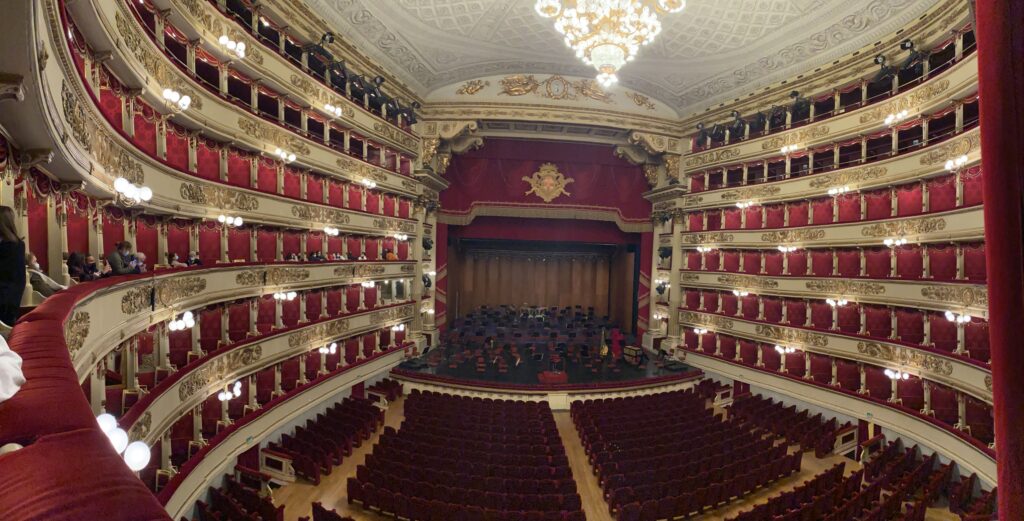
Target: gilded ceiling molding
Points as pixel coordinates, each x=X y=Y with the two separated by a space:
x=952 y=149
x=904 y=227
x=218 y=369
x=906 y=357
x=919 y=96
x=471 y=87
x=553 y=87
x=843 y=287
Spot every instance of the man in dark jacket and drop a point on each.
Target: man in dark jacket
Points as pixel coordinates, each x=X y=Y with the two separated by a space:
x=118 y=260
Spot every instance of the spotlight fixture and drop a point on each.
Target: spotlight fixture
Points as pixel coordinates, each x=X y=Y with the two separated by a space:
x=784 y=350
x=839 y=190
x=837 y=302
x=230 y=221
x=894 y=118
x=332 y=231
x=368 y=183
x=177 y=100
x=132 y=193
x=289 y=296
x=333 y=109
x=136 y=454
x=955 y=164
x=186 y=321
x=284 y=155
x=329 y=349
x=896 y=375
x=740 y=293
x=700 y=330
x=958 y=318
x=787 y=249
x=232 y=47
x=232 y=392
x=894 y=243
x=745 y=204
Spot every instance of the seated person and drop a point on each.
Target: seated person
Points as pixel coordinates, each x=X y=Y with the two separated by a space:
x=78 y=269
x=39 y=280
x=362 y=256
x=96 y=269
x=119 y=260
x=390 y=255
x=193 y=259
x=172 y=261
x=139 y=261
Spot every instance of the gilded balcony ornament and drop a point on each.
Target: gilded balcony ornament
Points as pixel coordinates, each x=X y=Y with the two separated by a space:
x=845 y=287
x=988 y=383
x=360 y=169
x=395 y=135
x=390 y=314
x=168 y=292
x=318 y=95
x=320 y=214
x=394 y=225
x=787 y=236
x=264 y=132
x=345 y=271
x=368 y=270
x=707 y=237
x=407 y=268
x=751 y=192
x=471 y=87
x=650 y=173
x=915 y=98
x=691 y=200
x=906 y=357
x=713 y=156
x=952 y=149
x=153 y=63
x=76 y=330
x=218 y=197
x=664 y=205
x=318 y=333
x=654 y=143
x=249 y=278
x=218 y=370
x=277 y=276
x=904 y=227
x=137 y=300
x=858 y=175
x=748 y=281
x=792 y=336
x=720 y=323
x=75 y=116
x=689 y=277
x=410 y=185
x=962 y=296
x=140 y=429
x=429 y=149
x=793 y=138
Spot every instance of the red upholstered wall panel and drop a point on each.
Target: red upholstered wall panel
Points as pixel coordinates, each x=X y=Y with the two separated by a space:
x=113 y=231
x=145 y=131
x=177 y=147
x=492 y=176
x=266 y=245
x=266 y=176
x=335 y=194
x=291 y=243
x=354 y=197
x=78 y=229
x=209 y=243
x=238 y=169
x=177 y=238
x=314 y=189
x=207 y=160
x=37 y=241
x=238 y=244
x=146 y=239
x=292 y=183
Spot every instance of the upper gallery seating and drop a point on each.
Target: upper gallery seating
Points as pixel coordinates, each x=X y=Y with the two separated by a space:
x=668 y=455
x=469 y=458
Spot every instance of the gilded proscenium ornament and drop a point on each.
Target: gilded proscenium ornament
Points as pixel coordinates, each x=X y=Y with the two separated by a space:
x=792 y=336
x=715 y=321
x=471 y=87
x=968 y=296
x=751 y=192
x=218 y=197
x=795 y=138
x=218 y=369
x=651 y=173
x=787 y=236
x=858 y=175
x=906 y=357
x=915 y=98
x=748 y=281
x=655 y=143
x=707 y=238
x=640 y=100
x=95 y=139
x=713 y=156
x=548 y=183
x=845 y=287
x=952 y=150
x=905 y=227
x=553 y=87
x=76 y=329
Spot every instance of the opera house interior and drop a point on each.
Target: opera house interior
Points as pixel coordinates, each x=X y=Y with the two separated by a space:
x=511 y=260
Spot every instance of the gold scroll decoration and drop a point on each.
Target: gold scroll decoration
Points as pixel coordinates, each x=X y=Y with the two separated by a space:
x=845 y=287
x=548 y=183
x=748 y=281
x=856 y=175
x=952 y=150
x=218 y=197
x=794 y=336
x=904 y=227
x=218 y=369
x=785 y=236
x=318 y=333
x=76 y=329
x=967 y=296
x=715 y=321
x=752 y=192
x=707 y=237
x=906 y=357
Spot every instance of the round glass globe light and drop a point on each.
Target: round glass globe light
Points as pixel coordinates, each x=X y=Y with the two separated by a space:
x=136 y=455
x=107 y=422
x=119 y=439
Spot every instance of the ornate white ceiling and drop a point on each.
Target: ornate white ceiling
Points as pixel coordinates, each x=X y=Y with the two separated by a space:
x=713 y=51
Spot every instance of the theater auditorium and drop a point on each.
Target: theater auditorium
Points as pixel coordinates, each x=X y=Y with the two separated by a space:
x=511 y=260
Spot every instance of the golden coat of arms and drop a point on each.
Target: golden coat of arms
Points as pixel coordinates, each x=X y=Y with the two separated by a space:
x=548 y=183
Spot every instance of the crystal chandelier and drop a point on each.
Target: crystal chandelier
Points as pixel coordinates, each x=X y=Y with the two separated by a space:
x=606 y=34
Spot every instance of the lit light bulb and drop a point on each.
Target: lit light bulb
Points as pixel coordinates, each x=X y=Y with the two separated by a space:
x=118 y=438
x=137 y=455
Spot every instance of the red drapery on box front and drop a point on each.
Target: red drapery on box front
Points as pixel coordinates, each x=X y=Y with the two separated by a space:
x=753 y=215
x=292 y=183
x=177 y=147
x=941 y=193
x=146 y=239
x=266 y=245
x=733 y=218
x=696 y=222
x=209 y=243
x=821 y=210
x=177 y=238
x=775 y=216
x=238 y=244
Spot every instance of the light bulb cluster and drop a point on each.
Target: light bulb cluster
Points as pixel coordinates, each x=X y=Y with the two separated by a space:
x=704 y=249
x=956 y=164
x=787 y=249
x=284 y=155
x=740 y=292
x=839 y=190
x=894 y=243
x=179 y=100
x=329 y=349
x=332 y=231
x=136 y=454
x=784 y=350
x=896 y=117
x=700 y=330
x=402 y=236
x=837 y=303
x=232 y=47
x=958 y=318
x=607 y=34
x=368 y=183
x=131 y=191
x=289 y=296
x=233 y=392
x=333 y=109
x=745 y=204
x=398 y=327
x=432 y=273
x=229 y=220
x=897 y=375
x=430 y=311
x=186 y=321
x=789 y=149
x=367 y=283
